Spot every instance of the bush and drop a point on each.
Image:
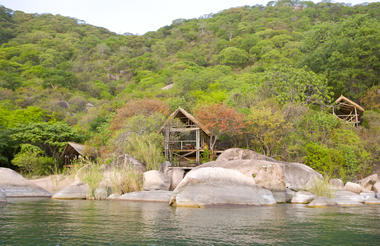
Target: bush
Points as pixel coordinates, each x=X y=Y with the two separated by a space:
x=321 y=187
x=92 y=176
x=31 y=161
x=146 y=148
x=126 y=179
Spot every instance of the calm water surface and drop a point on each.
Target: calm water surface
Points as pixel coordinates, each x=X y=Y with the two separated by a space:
x=53 y=222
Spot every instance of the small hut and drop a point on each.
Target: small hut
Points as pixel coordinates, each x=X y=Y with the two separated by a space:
x=185 y=138
x=72 y=151
x=347 y=110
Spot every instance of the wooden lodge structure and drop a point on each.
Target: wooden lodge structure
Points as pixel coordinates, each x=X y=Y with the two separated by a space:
x=72 y=151
x=345 y=109
x=185 y=138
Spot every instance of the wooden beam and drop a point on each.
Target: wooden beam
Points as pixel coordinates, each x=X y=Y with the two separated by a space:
x=198 y=140
x=175 y=129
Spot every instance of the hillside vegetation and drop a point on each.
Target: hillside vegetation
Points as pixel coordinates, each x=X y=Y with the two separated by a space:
x=275 y=68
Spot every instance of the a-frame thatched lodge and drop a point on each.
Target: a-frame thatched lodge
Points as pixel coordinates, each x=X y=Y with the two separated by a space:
x=185 y=138
x=347 y=110
x=72 y=151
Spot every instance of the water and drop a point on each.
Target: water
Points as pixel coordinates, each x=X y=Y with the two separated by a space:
x=54 y=222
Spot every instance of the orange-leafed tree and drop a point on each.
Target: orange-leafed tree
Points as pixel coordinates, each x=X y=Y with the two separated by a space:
x=220 y=119
x=145 y=106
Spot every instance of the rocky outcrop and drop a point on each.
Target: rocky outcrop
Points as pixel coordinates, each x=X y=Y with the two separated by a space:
x=242 y=154
x=322 y=202
x=53 y=183
x=155 y=180
x=348 y=198
x=368 y=182
x=367 y=195
x=210 y=186
x=296 y=176
x=302 y=197
x=3 y=197
x=14 y=185
x=148 y=196
x=176 y=174
x=77 y=190
x=353 y=187
x=269 y=175
x=299 y=176
x=336 y=184
x=376 y=187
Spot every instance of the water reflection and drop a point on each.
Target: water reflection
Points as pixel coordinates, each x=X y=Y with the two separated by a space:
x=52 y=222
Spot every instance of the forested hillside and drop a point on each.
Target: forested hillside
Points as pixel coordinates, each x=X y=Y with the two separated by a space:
x=275 y=68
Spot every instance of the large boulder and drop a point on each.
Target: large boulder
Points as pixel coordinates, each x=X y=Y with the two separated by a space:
x=367 y=195
x=53 y=183
x=242 y=154
x=336 y=184
x=302 y=197
x=297 y=176
x=348 y=198
x=322 y=202
x=369 y=181
x=75 y=191
x=156 y=180
x=269 y=175
x=176 y=174
x=209 y=186
x=376 y=187
x=15 y=185
x=3 y=197
x=148 y=196
x=353 y=187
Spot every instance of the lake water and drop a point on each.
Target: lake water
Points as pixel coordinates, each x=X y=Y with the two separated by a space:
x=54 y=222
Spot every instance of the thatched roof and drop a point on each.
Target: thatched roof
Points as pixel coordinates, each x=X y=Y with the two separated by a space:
x=75 y=148
x=180 y=110
x=347 y=102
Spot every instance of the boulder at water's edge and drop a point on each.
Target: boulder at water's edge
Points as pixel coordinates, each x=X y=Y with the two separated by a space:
x=15 y=185
x=210 y=186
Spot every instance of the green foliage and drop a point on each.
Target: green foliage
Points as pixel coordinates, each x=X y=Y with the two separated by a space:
x=126 y=179
x=50 y=137
x=146 y=148
x=267 y=129
x=55 y=69
x=31 y=161
x=232 y=56
x=321 y=187
x=92 y=176
x=289 y=84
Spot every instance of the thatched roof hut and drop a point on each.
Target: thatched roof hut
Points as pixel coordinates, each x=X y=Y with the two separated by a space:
x=348 y=110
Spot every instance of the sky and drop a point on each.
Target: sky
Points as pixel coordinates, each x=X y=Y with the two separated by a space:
x=133 y=16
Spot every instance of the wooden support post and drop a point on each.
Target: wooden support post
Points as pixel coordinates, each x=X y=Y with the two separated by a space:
x=198 y=140
x=167 y=144
x=356 y=118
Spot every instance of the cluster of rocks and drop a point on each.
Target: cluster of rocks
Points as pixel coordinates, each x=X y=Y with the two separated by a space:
x=244 y=177
x=237 y=177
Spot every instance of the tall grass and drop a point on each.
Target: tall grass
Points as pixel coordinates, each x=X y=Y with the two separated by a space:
x=147 y=149
x=125 y=179
x=321 y=187
x=92 y=176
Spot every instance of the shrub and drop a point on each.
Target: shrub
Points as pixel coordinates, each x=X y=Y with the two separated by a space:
x=31 y=161
x=126 y=179
x=321 y=187
x=93 y=176
x=146 y=148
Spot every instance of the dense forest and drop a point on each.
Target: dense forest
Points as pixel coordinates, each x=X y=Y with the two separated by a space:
x=269 y=74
